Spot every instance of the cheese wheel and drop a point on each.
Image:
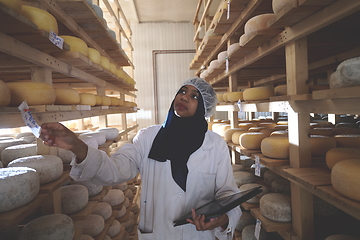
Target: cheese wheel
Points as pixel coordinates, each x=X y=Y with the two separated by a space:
x=345 y=178
x=242 y=177
x=35 y=93
x=204 y=73
x=4 y=93
x=92 y=188
x=121 y=212
x=114 y=197
x=105 y=63
x=248 y=186
x=258 y=23
x=258 y=93
x=248 y=233
x=235 y=96
x=280 y=90
x=103 y=209
x=49 y=167
x=126 y=202
x=15 y=5
x=43 y=19
x=74 y=198
x=347 y=74
x=86 y=237
x=321 y=144
x=216 y=126
x=251 y=140
x=87 y=99
x=98 y=10
x=94 y=55
x=219 y=97
x=245 y=219
x=229 y=132
x=114 y=101
x=129 y=194
x=277 y=5
x=336 y=155
x=246 y=125
x=347 y=141
x=66 y=96
x=99 y=136
x=225 y=96
x=18 y=151
x=323 y=208
x=98 y=100
x=256 y=129
x=237 y=167
x=281 y=185
x=280 y=127
x=233 y=48
x=76 y=44
x=321 y=131
x=222 y=129
x=280 y=133
x=18 y=186
x=221 y=57
x=270 y=176
x=235 y=137
x=114 y=228
x=276 y=207
x=92 y=226
x=341 y=237
x=269 y=125
x=275 y=147
x=110 y=132
x=51 y=226
x=345 y=131
x=28 y=137
x=105 y=101
x=113 y=68
x=267 y=131
x=8 y=143
x=213 y=65
x=122 y=186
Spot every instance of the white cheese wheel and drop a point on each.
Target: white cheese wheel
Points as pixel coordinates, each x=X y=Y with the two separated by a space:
x=29 y=137
x=92 y=226
x=110 y=132
x=345 y=178
x=86 y=237
x=65 y=155
x=122 y=186
x=4 y=92
x=258 y=93
x=49 y=167
x=114 y=228
x=66 y=96
x=248 y=233
x=103 y=209
x=229 y=132
x=235 y=96
x=213 y=65
x=99 y=136
x=277 y=5
x=221 y=57
x=94 y=55
x=270 y=176
x=126 y=202
x=18 y=186
x=92 y=188
x=114 y=197
x=87 y=99
x=243 y=177
x=321 y=144
x=233 y=48
x=275 y=147
x=336 y=155
x=347 y=141
x=43 y=19
x=105 y=62
x=258 y=23
x=280 y=90
x=51 y=226
x=238 y=167
x=35 y=93
x=10 y=142
x=323 y=208
x=255 y=199
x=281 y=185
x=245 y=219
x=129 y=194
x=98 y=10
x=76 y=44
x=74 y=198
x=15 y=5
x=347 y=74
x=276 y=207
x=204 y=73
x=121 y=212
x=18 y=151
x=341 y=237
x=251 y=140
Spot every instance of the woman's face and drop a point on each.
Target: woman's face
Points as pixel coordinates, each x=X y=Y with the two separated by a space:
x=186 y=101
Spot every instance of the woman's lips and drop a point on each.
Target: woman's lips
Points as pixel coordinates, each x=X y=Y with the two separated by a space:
x=181 y=106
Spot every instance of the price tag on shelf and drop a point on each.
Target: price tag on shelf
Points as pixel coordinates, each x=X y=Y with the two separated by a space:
x=56 y=40
x=226 y=64
x=257 y=166
x=239 y=105
x=257 y=229
x=228 y=10
x=29 y=119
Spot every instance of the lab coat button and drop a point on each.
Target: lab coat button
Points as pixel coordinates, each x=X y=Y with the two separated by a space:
x=180 y=194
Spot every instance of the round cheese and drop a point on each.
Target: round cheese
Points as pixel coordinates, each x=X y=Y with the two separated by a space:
x=43 y=19
x=249 y=231
x=347 y=74
x=275 y=147
x=269 y=125
x=280 y=133
x=92 y=188
x=249 y=186
x=122 y=211
x=222 y=56
x=221 y=129
x=345 y=178
x=65 y=155
x=114 y=228
x=98 y=10
x=237 y=167
x=4 y=93
x=129 y=194
x=110 y=132
x=29 y=137
x=246 y=125
x=204 y=74
x=99 y=136
x=280 y=90
x=213 y=65
x=105 y=62
x=321 y=131
x=92 y=226
x=245 y=219
x=87 y=99
x=258 y=23
x=336 y=155
x=276 y=207
x=114 y=197
x=280 y=127
x=251 y=140
x=219 y=97
x=267 y=131
x=126 y=202
x=18 y=151
x=105 y=101
x=345 y=131
x=347 y=141
x=232 y=48
x=235 y=137
x=15 y=5
x=113 y=68
x=258 y=93
x=51 y=226
x=49 y=167
x=270 y=176
x=35 y=93
x=341 y=237
x=98 y=100
x=94 y=55
x=76 y=44
x=10 y=142
x=86 y=237
x=229 y=132
x=235 y=96
x=281 y=185
x=277 y=5
x=321 y=144
x=18 y=186
x=242 y=177
x=66 y=96
x=122 y=186
x=103 y=209
x=256 y=129
x=74 y=198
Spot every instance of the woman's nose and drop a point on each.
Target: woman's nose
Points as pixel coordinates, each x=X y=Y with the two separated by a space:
x=184 y=98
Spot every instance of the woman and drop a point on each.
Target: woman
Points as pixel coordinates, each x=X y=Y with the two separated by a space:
x=182 y=166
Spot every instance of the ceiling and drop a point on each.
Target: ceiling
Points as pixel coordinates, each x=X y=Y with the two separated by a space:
x=142 y=11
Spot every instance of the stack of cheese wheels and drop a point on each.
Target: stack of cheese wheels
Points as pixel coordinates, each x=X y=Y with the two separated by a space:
x=66 y=96
x=76 y=44
x=249 y=230
x=114 y=229
x=93 y=189
x=110 y=132
x=29 y=137
x=92 y=225
x=18 y=186
x=87 y=99
x=49 y=167
x=276 y=207
x=229 y=132
x=103 y=209
x=10 y=142
x=213 y=65
x=15 y=5
x=221 y=57
x=18 y=151
x=245 y=219
x=4 y=94
x=347 y=141
x=345 y=178
x=270 y=176
x=280 y=90
x=341 y=237
x=242 y=177
x=99 y=136
x=105 y=101
x=251 y=140
x=321 y=144
x=275 y=147
x=94 y=55
x=281 y=185
x=321 y=131
x=114 y=197
x=98 y=100
x=51 y=226
x=43 y=19
x=336 y=155
x=248 y=186
x=74 y=198
x=347 y=74
x=232 y=48
x=105 y=63
x=258 y=93
x=235 y=96
x=219 y=97
x=255 y=24
x=235 y=137
x=35 y=93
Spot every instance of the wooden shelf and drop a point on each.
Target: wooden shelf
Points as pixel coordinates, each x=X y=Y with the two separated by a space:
x=268 y=225
x=101 y=195
x=52 y=186
x=270 y=162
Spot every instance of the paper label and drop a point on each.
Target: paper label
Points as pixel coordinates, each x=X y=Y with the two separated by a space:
x=29 y=119
x=227 y=64
x=257 y=229
x=56 y=40
x=228 y=10
x=239 y=105
x=257 y=166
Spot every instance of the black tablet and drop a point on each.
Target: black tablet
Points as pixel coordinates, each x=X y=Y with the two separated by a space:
x=220 y=206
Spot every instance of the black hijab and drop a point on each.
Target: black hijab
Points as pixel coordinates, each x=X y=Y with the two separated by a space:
x=178 y=138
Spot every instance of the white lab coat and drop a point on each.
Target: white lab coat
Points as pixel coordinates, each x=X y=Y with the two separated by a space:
x=162 y=200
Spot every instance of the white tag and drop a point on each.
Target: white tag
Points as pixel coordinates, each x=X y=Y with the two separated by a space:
x=227 y=64
x=28 y=119
x=239 y=105
x=257 y=229
x=56 y=40
x=257 y=166
x=228 y=10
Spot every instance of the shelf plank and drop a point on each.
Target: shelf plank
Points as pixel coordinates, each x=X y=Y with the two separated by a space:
x=268 y=225
x=101 y=195
x=77 y=234
x=248 y=206
x=52 y=186
x=84 y=213
x=346 y=92
x=309 y=177
x=258 y=38
x=271 y=162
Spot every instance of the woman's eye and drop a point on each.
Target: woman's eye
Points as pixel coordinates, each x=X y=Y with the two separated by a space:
x=195 y=97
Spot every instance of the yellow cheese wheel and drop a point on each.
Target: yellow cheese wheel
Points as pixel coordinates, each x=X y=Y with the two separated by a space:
x=235 y=96
x=115 y=101
x=246 y=125
x=113 y=68
x=105 y=101
x=267 y=131
x=275 y=147
x=35 y=93
x=282 y=123
x=235 y=137
x=15 y=5
x=258 y=23
x=229 y=132
x=269 y=125
x=251 y=140
x=67 y=96
x=222 y=129
x=87 y=99
x=120 y=73
x=216 y=126
x=225 y=97
x=219 y=97
x=258 y=93
x=280 y=90
x=4 y=94
x=336 y=155
x=94 y=55
x=280 y=133
x=256 y=129
x=321 y=131
x=76 y=45
x=321 y=144
x=98 y=100
x=105 y=63
x=345 y=178
x=348 y=141
x=280 y=127
x=43 y=19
